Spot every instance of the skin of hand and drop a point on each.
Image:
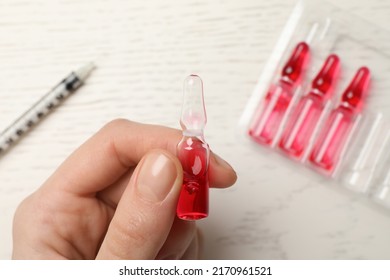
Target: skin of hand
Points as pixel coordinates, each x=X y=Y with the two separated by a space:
x=115 y=197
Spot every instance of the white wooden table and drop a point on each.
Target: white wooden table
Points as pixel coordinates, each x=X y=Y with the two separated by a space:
x=144 y=50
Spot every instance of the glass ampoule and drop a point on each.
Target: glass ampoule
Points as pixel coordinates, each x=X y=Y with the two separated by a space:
x=193 y=153
x=269 y=116
x=300 y=127
x=338 y=126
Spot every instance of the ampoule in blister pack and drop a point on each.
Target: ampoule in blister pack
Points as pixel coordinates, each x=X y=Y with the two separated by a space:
x=269 y=116
x=304 y=118
x=329 y=114
x=193 y=153
x=339 y=125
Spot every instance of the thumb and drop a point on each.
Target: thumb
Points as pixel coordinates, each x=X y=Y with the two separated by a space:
x=146 y=210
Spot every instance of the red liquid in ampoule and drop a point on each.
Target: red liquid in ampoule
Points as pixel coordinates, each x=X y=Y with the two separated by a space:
x=193 y=154
x=332 y=139
x=301 y=125
x=269 y=116
x=303 y=121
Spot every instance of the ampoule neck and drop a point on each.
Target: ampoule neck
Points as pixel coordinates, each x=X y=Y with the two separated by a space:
x=317 y=94
x=285 y=82
x=193 y=133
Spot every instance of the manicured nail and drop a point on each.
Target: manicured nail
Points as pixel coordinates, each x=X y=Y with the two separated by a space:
x=156 y=176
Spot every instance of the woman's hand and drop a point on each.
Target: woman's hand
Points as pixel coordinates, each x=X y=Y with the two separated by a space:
x=114 y=198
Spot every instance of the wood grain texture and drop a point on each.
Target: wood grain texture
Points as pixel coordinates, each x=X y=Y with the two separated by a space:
x=143 y=50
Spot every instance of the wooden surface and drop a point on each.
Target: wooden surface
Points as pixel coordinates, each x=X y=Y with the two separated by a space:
x=144 y=50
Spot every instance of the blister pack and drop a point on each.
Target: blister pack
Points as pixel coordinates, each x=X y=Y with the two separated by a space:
x=322 y=100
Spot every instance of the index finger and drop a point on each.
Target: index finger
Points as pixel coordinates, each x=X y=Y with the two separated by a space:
x=118 y=146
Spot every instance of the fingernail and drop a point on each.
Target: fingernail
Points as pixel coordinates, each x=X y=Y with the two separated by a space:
x=222 y=162
x=156 y=176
